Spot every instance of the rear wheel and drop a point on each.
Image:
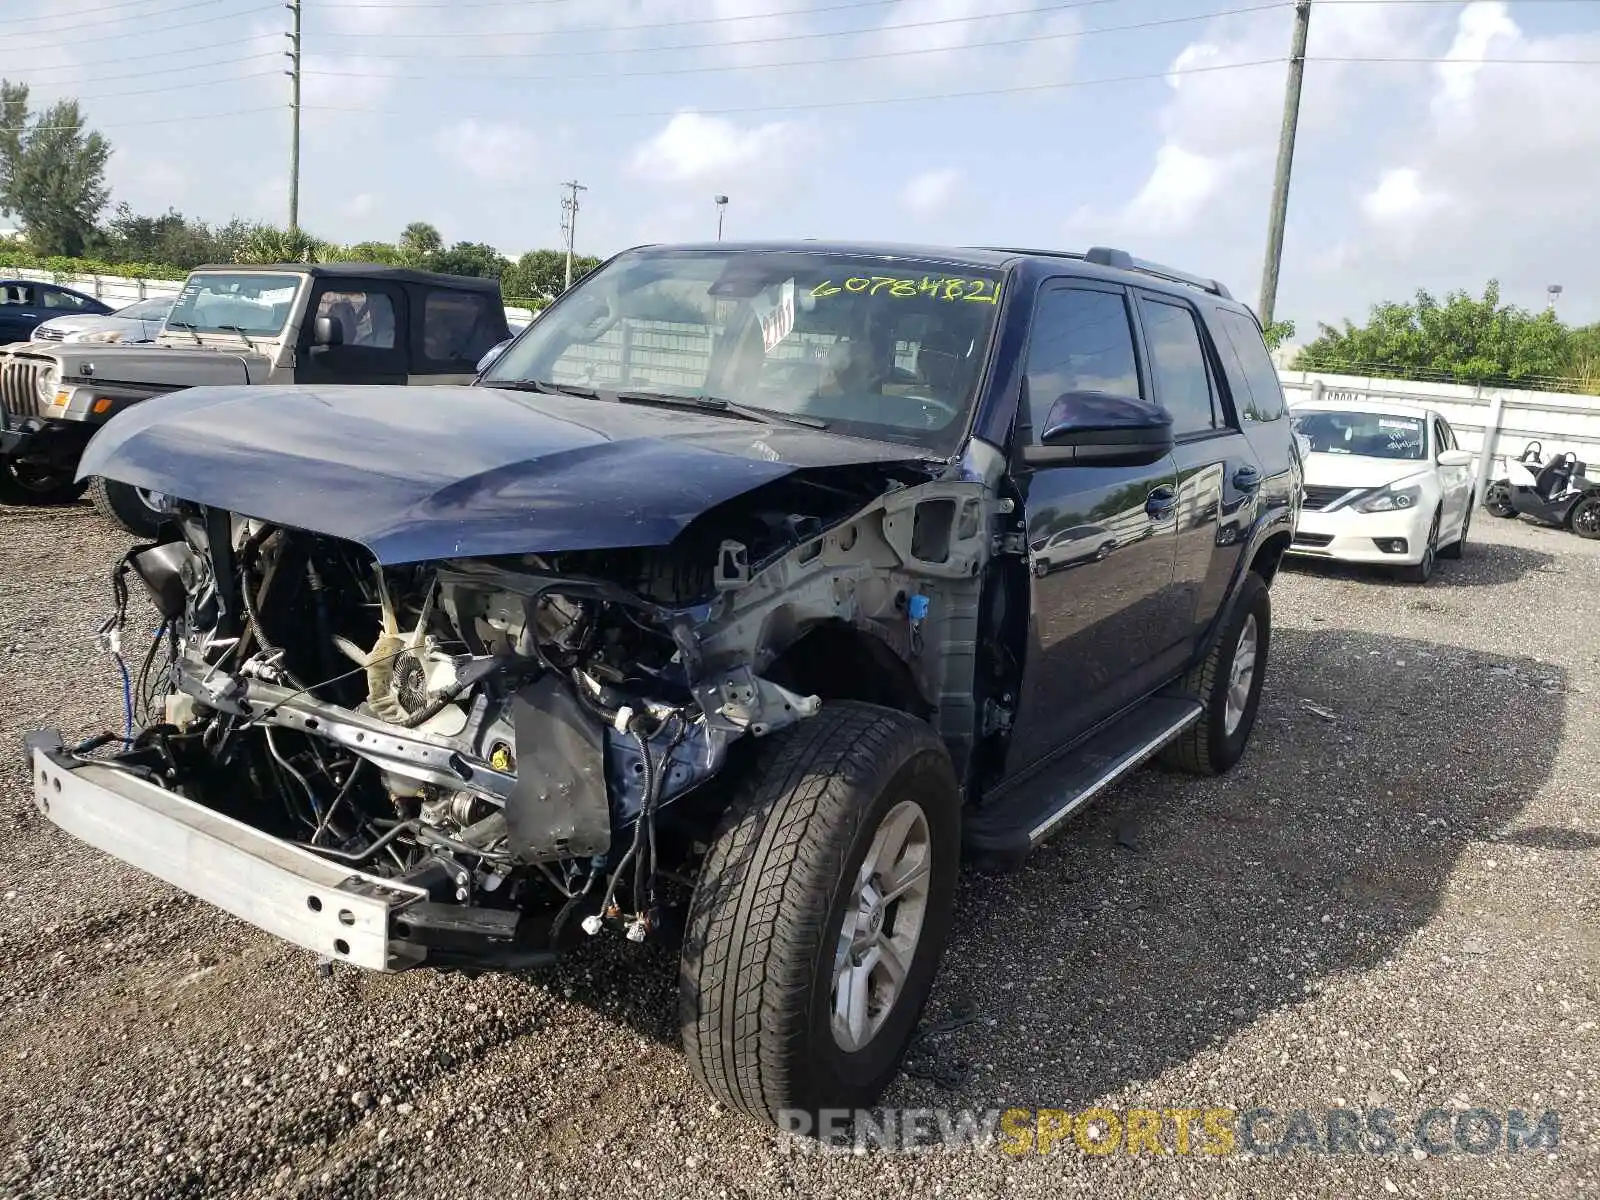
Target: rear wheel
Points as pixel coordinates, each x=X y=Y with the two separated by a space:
x=820 y=914
x=30 y=483
x=1497 y=499
x=135 y=509
x=1586 y=517
x=1228 y=684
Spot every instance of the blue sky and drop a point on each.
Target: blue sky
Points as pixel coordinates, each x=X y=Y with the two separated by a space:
x=469 y=114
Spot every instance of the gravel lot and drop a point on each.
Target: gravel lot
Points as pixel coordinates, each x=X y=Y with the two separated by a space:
x=1390 y=903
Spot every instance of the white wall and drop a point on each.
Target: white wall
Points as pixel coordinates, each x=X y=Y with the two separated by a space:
x=1507 y=418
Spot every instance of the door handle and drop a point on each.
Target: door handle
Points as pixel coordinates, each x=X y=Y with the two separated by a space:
x=1247 y=479
x=1160 y=502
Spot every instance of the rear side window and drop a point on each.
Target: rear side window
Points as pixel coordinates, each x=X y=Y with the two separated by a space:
x=457 y=327
x=1178 y=366
x=64 y=301
x=1264 y=400
x=1082 y=342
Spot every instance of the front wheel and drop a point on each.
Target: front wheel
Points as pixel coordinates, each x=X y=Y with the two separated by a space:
x=29 y=483
x=1458 y=548
x=1227 y=683
x=820 y=914
x=135 y=509
x=1586 y=517
x=1422 y=570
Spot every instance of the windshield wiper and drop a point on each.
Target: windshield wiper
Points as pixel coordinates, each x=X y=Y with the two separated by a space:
x=716 y=404
x=189 y=325
x=544 y=387
x=241 y=333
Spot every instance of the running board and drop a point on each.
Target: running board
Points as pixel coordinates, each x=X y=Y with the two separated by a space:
x=999 y=835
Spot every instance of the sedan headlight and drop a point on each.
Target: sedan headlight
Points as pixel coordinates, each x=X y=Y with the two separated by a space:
x=95 y=335
x=45 y=383
x=1389 y=499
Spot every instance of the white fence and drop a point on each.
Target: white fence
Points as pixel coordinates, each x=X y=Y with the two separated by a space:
x=116 y=290
x=1494 y=423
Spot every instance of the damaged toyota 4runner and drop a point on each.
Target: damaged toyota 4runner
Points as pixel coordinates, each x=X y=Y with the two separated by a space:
x=710 y=612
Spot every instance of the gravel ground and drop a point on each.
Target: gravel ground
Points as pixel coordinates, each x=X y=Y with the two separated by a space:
x=1389 y=904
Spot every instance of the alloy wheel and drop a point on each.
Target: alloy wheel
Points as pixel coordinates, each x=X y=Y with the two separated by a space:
x=1241 y=674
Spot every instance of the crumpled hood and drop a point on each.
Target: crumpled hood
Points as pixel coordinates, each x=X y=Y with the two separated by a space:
x=419 y=473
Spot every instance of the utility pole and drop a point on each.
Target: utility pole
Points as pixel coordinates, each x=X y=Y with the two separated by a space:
x=1280 y=182
x=569 y=219
x=294 y=109
x=722 y=207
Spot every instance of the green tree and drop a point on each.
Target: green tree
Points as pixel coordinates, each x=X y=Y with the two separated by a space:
x=467 y=258
x=169 y=238
x=270 y=244
x=419 y=239
x=52 y=172
x=1462 y=339
x=542 y=274
x=1278 y=333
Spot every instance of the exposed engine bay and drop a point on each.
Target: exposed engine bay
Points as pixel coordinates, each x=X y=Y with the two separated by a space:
x=535 y=741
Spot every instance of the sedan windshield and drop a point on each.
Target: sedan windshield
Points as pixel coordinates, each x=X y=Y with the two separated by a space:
x=1363 y=435
x=876 y=346
x=154 y=309
x=220 y=302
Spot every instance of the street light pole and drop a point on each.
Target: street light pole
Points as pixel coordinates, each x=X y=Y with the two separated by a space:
x=722 y=207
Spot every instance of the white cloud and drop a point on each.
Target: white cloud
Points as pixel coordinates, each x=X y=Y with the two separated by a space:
x=1180 y=186
x=1401 y=200
x=494 y=151
x=931 y=192
x=695 y=149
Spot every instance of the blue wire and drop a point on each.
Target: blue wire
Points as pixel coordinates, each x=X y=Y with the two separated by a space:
x=127 y=699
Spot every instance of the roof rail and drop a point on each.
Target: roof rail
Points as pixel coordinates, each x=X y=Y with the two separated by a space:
x=1121 y=260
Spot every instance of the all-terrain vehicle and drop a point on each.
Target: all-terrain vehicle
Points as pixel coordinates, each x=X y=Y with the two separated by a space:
x=328 y=324
x=1558 y=492
x=719 y=578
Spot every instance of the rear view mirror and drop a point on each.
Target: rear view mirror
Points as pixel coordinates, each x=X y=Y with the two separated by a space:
x=1102 y=429
x=1455 y=458
x=328 y=331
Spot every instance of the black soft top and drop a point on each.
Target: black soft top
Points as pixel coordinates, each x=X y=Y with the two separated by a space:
x=343 y=270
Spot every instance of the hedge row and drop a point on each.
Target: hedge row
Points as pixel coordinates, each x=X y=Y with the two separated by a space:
x=89 y=266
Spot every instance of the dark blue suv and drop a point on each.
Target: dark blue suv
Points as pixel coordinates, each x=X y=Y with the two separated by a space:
x=741 y=595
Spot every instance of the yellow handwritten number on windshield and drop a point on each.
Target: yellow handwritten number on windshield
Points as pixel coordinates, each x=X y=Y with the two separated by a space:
x=983 y=291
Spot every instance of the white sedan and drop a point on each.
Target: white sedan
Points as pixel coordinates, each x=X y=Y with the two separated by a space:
x=1384 y=484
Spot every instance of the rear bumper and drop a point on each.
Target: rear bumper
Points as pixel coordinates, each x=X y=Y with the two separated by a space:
x=280 y=888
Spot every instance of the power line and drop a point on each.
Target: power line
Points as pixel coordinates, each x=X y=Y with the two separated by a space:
x=177 y=120
x=176 y=87
x=78 y=65
x=848 y=58
x=122 y=37
x=85 y=12
x=1466 y=62
x=226 y=62
x=830 y=104
x=502 y=34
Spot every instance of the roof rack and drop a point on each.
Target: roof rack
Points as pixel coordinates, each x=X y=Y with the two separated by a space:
x=1121 y=260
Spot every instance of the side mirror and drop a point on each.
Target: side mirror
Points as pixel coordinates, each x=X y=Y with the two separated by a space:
x=328 y=331
x=1455 y=458
x=493 y=353
x=1102 y=429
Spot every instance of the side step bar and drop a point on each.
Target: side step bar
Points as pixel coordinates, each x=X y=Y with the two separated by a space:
x=999 y=835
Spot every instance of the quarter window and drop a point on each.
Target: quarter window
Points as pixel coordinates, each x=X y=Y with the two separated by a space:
x=65 y=301
x=457 y=327
x=1178 y=366
x=1082 y=342
x=1264 y=401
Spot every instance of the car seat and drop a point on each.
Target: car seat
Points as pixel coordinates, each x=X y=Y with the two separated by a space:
x=1556 y=474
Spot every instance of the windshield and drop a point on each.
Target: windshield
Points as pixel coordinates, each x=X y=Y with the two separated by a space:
x=1363 y=435
x=876 y=346
x=255 y=303
x=146 y=310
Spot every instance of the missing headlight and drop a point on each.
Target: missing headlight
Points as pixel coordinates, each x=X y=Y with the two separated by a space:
x=168 y=572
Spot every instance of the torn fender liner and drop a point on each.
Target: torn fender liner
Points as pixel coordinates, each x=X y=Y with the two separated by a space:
x=559 y=808
x=426 y=473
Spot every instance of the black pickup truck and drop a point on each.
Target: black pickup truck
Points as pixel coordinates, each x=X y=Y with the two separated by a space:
x=744 y=593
